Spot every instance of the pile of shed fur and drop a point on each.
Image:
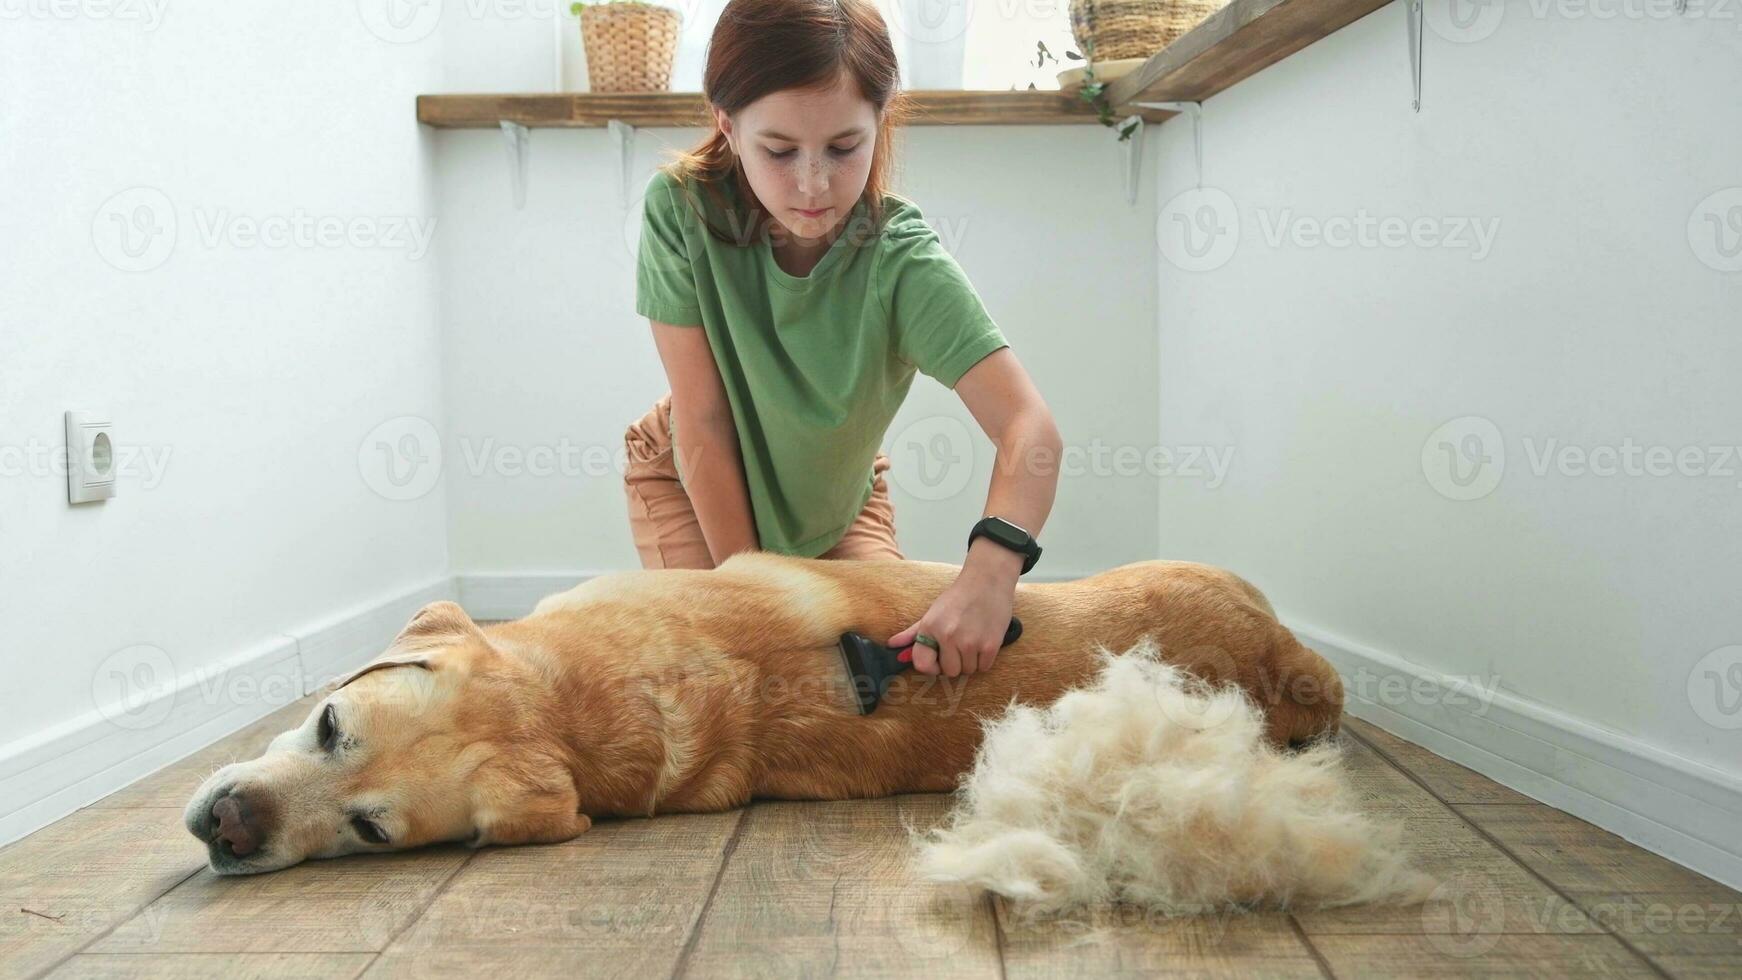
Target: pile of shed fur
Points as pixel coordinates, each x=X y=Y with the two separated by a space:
x=1148 y=786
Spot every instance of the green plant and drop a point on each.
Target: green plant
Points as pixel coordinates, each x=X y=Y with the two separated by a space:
x=1093 y=91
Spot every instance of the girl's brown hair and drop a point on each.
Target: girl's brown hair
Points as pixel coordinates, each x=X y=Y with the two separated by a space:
x=764 y=46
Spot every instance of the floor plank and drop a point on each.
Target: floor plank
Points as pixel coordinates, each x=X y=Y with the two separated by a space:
x=1482 y=892
x=1127 y=940
x=825 y=888
x=1495 y=956
x=213 y=966
x=1381 y=787
x=1580 y=857
x=352 y=904
x=73 y=880
x=1670 y=924
x=803 y=889
x=1449 y=781
x=621 y=898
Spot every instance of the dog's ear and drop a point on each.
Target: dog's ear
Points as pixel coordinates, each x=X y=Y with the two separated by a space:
x=528 y=801
x=440 y=620
x=425 y=641
x=403 y=660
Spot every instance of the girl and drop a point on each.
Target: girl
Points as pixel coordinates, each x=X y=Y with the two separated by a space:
x=819 y=294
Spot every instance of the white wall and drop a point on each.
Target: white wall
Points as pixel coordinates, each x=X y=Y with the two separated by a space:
x=250 y=375
x=547 y=363
x=1596 y=602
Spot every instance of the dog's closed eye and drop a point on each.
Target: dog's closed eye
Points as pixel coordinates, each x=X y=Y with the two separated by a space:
x=328 y=732
x=369 y=830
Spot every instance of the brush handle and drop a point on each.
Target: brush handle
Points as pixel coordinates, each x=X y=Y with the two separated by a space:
x=1011 y=632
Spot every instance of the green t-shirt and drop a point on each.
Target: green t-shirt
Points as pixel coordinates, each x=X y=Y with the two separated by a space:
x=816 y=366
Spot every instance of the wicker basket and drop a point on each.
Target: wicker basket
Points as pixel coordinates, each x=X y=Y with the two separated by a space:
x=629 y=46
x=1114 y=29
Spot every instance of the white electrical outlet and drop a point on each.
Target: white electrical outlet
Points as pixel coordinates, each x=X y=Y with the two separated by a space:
x=90 y=457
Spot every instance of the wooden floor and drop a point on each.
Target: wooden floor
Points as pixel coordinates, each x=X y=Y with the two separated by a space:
x=799 y=889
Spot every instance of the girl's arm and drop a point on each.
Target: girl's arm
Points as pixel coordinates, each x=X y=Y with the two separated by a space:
x=969 y=619
x=707 y=442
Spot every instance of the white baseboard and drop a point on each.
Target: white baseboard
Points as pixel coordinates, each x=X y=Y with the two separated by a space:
x=52 y=773
x=48 y=775
x=499 y=595
x=1686 y=811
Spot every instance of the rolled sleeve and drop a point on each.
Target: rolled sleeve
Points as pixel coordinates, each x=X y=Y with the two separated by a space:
x=940 y=324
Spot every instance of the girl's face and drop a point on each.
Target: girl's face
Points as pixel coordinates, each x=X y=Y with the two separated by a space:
x=807 y=154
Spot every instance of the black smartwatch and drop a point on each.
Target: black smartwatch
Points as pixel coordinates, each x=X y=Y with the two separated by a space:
x=1010 y=536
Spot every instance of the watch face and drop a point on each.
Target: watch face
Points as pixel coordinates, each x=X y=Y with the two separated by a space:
x=1005 y=532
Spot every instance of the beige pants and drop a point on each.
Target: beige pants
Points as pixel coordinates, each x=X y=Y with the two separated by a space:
x=664 y=525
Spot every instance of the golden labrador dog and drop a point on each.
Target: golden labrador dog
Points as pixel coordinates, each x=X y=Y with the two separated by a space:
x=647 y=692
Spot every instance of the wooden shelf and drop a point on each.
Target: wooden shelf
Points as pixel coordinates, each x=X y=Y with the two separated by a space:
x=1238 y=40
x=1242 y=38
x=583 y=109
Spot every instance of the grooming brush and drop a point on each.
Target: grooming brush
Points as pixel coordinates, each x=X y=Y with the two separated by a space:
x=871 y=665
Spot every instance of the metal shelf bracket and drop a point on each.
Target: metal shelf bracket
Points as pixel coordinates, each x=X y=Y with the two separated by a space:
x=518 y=141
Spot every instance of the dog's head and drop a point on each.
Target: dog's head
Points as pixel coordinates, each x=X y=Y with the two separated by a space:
x=433 y=741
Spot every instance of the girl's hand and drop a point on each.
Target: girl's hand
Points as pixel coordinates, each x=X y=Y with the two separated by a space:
x=970 y=618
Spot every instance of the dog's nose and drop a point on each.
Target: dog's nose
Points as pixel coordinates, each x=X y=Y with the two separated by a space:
x=236 y=828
